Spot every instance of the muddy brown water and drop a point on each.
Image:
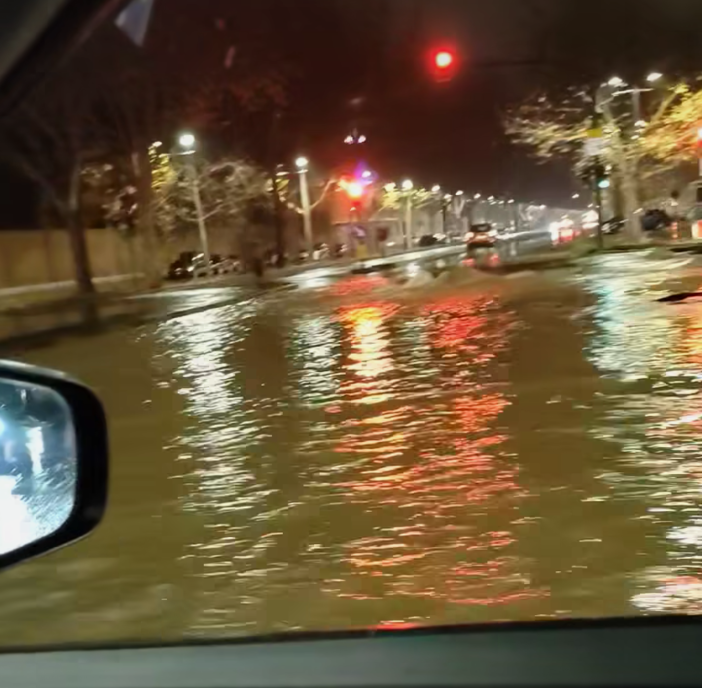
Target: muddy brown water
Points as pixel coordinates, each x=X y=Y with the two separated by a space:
x=362 y=454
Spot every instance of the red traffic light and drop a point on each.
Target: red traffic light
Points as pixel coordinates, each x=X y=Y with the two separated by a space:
x=443 y=63
x=444 y=59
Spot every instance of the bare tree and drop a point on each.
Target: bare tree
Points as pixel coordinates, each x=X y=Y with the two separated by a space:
x=49 y=140
x=233 y=192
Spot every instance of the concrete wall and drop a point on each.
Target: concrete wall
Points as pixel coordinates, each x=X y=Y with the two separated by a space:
x=39 y=256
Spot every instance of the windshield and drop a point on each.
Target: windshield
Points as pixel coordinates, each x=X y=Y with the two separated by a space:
x=372 y=295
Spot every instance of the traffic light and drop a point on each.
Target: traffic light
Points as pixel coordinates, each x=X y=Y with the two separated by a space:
x=443 y=59
x=601 y=177
x=444 y=62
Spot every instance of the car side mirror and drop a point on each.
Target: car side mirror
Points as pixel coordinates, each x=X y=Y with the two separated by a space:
x=53 y=462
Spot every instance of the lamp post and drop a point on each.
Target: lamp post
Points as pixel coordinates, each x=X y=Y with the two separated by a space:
x=302 y=164
x=407 y=186
x=187 y=142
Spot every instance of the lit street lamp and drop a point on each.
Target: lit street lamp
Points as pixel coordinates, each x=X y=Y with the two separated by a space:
x=302 y=164
x=436 y=189
x=187 y=142
x=653 y=77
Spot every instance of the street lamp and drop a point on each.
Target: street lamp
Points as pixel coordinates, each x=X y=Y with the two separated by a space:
x=436 y=189
x=459 y=193
x=407 y=185
x=653 y=77
x=187 y=142
x=616 y=82
x=302 y=164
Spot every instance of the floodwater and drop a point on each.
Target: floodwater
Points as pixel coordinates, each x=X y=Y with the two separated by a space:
x=363 y=454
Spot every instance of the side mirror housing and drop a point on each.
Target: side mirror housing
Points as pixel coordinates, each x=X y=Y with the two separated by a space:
x=53 y=462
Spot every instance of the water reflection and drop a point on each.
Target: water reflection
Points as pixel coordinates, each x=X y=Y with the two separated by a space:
x=655 y=419
x=367 y=455
x=428 y=476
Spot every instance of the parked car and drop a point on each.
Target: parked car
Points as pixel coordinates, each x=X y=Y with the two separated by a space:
x=219 y=266
x=190 y=264
x=183 y=267
x=482 y=235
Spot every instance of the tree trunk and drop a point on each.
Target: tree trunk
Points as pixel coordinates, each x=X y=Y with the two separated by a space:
x=151 y=263
x=79 y=250
x=630 y=202
x=79 y=245
x=278 y=221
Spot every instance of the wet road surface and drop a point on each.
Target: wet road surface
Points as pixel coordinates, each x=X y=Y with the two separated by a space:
x=364 y=453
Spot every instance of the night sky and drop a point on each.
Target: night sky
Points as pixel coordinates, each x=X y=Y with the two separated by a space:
x=333 y=53
x=338 y=50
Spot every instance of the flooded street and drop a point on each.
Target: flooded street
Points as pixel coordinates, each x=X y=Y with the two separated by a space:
x=366 y=454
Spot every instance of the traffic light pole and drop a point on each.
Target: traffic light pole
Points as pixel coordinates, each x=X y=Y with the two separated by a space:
x=598 y=206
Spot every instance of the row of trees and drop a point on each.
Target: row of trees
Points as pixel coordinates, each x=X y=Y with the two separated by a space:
x=644 y=156
x=85 y=138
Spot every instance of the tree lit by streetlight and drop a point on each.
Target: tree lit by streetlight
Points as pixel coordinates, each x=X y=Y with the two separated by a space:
x=187 y=141
x=407 y=185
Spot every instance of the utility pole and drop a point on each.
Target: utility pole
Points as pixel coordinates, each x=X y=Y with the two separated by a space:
x=202 y=228
x=407 y=186
x=188 y=142
x=302 y=165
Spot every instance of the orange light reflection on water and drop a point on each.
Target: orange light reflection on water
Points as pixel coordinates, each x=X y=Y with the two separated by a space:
x=431 y=471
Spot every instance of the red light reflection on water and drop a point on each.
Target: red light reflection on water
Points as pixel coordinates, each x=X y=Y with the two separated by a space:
x=357 y=285
x=370 y=359
x=430 y=473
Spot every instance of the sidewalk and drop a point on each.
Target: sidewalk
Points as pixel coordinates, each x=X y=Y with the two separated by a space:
x=39 y=322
